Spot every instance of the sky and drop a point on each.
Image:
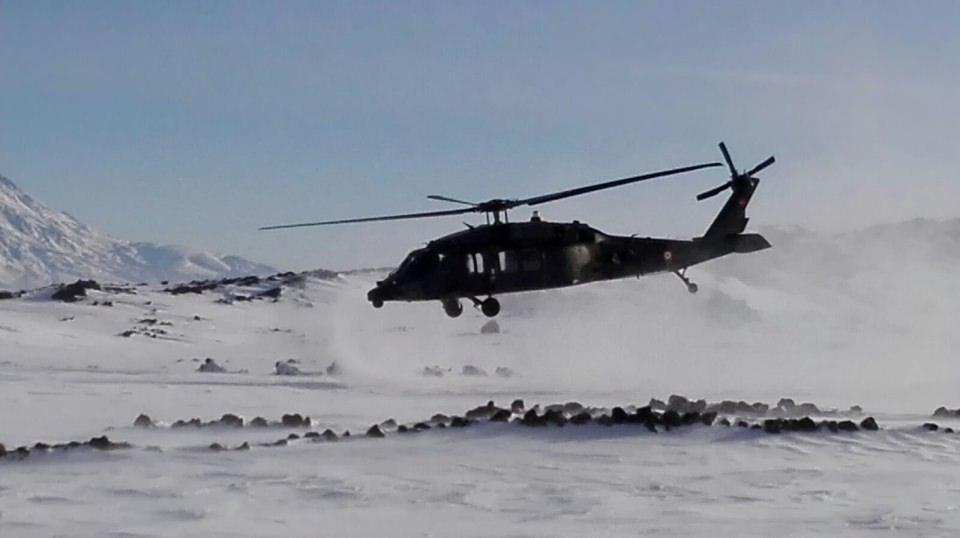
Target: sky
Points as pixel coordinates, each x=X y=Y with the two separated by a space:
x=195 y=123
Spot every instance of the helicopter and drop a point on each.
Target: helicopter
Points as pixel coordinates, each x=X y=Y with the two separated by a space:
x=502 y=257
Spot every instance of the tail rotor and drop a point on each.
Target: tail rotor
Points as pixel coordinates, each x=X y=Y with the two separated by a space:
x=735 y=176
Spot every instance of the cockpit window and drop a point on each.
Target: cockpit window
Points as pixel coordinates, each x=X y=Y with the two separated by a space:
x=417 y=261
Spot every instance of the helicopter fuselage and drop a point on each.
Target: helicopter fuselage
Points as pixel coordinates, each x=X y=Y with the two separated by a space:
x=514 y=257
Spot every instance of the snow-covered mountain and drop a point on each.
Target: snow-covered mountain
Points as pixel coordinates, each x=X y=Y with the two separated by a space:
x=40 y=246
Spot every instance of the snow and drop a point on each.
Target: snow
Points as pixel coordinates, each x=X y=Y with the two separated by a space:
x=882 y=339
x=40 y=246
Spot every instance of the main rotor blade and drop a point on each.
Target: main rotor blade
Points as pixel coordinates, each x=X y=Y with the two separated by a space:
x=448 y=199
x=713 y=192
x=608 y=184
x=374 y=219
x=726 y=157
x=762 y=165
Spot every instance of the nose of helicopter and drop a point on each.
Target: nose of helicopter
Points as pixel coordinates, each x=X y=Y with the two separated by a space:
x=383 y=291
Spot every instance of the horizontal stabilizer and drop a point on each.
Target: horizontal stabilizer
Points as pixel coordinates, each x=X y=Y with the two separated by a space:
x=744 y=243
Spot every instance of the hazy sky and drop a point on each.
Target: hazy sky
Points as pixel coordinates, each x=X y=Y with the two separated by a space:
x=197 y=122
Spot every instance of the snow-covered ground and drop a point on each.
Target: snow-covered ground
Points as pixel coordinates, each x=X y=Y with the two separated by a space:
x=66 y=374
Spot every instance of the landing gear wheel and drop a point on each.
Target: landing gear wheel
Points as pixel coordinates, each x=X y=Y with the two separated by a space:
x=453 y=307
x=490 y=307
x=682 y=275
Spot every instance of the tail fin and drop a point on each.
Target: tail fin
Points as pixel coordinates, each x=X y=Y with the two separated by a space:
x=732 y=219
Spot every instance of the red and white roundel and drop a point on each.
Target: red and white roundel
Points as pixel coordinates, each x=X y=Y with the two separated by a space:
x=667 y=255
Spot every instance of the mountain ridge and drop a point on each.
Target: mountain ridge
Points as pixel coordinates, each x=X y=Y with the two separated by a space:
x=41 y=246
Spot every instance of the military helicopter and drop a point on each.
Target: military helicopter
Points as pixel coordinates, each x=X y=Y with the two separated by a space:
x=507 y=257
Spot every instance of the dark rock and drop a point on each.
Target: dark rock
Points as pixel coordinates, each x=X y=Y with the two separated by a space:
x=328 y=435
x=4 y=295
x=286 y=368
x=279 y=442
x=432 y=371
x=216 y=447
x=22 y=452
x=807 y=408
x=3 y=451
x=724 y=422
x=459 y=422
x=581 y=418
x=727 y=407
x=244 y=446
x=708 y=418
x=677 y=403
x=420 y=426
x=484 y=411
x=931 y=426
x=517 y=406
x=471 y=370
x=295 y=420
x=572 y=408
x=742 y=424
x=689 y=418
x=209 y=365
x=193 y=423
x=556 y=417
x=293 y=437
x=71 y=293
x=231 y=420
x=786 y=403
x=41 y=446
x=948 y=430
x=388 y=424
x=259 y=422
x=644 y=413
x=376 y=432
x=334 y=369
x=530 y=418
x=756 y=427
x=806 y=424
x=604 y=420
x=657 y=404
x=103 y=443
x=403 y=429
x=503 y=371
x=272 y=293
x=311 y=435
x=855 y=410
x=439 y=418
x=831 y=425
x=869 y=424
x=618 y=415
x=501 y=416
x=944 y=412
x=651 y=426
x=143 y=421
x=670 y=419
x=773 y=425
x=847 y=426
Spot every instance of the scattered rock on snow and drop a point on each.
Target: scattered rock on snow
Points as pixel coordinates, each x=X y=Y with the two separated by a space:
x=471 y=370
x=287 y=368
x=71 y=293
x=143 y=421
x=210 y=366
